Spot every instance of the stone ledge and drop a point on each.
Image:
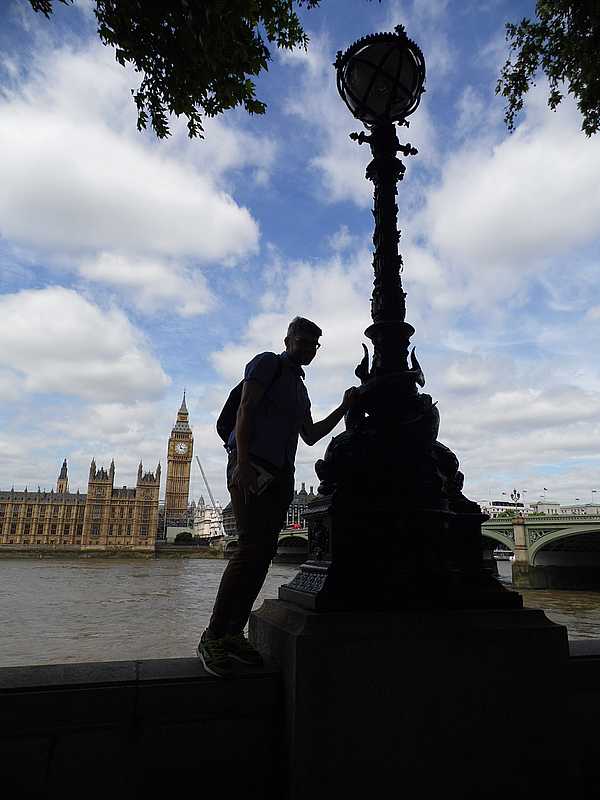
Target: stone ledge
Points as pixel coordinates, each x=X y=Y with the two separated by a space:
x=108 y=673
x=584 y=648
x=141 y=728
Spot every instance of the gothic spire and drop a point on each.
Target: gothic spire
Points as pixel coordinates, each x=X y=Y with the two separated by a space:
x=182 y=423
x=183 y=407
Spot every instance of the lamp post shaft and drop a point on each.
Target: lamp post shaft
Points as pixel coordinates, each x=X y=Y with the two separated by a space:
x=385 y=170
x=389 y=333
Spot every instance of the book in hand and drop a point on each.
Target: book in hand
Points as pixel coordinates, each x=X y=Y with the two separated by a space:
x=263 y=478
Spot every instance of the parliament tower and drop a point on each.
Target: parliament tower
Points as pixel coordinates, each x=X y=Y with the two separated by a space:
x=179 y=460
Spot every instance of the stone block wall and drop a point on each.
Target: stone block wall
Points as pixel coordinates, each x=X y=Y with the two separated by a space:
x=147 y=729
x=165 y=729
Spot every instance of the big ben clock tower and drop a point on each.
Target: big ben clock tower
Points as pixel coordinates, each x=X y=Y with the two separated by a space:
x=179 y=459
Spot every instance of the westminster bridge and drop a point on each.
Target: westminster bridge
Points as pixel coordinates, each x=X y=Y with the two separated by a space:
x=560 y=552
x=550 y=552
x=291 y=548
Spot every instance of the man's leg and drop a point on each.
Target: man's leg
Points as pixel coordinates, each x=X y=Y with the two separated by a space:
x=259 y=519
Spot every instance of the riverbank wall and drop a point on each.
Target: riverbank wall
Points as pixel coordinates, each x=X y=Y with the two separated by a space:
x=165 y=728
x=172 y=551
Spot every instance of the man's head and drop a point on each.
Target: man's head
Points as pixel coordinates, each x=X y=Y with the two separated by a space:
x=302 y=340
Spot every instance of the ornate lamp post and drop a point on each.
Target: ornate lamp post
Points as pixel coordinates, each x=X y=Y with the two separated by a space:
x=388 y=487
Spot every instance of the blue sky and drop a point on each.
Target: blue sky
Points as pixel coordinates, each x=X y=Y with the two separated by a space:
x=131 y=268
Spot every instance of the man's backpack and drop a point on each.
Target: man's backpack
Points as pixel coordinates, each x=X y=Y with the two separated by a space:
x=228 y=415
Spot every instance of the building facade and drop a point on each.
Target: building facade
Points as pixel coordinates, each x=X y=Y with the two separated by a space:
x=299 y=504
x=495 y=508
x=121 y=517
x=179 y=460
x=207 y=520
x=549 y=508
x=106 y=518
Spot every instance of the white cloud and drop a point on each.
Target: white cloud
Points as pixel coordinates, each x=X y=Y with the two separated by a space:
x=342 y=239
x=531 y=196
x=78 y=187
x=57 y=341
x=154 y=283
x=81 y=183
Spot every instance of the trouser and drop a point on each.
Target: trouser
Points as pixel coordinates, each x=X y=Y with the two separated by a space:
x=259 y=519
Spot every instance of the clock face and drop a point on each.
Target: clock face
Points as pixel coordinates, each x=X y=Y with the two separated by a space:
x=181 y=448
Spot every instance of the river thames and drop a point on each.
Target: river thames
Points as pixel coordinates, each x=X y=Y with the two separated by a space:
x=55 y=611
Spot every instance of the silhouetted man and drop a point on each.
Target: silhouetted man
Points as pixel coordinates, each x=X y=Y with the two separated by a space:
x=274 y=409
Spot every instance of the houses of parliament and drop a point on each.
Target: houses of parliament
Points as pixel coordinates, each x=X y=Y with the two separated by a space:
x=107 y=518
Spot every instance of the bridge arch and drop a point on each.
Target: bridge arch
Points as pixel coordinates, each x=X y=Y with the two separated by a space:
x=499 y=535
x=542 y=541
x=293 y=540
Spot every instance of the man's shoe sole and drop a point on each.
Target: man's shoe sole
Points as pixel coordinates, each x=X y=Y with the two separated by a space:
x=245 y=660
x=209 y=669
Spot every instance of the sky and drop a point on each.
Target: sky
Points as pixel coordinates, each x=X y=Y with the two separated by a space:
x=132 y=268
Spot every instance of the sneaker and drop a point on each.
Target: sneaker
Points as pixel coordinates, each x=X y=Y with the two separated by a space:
x=212 y=653
x=238 y=647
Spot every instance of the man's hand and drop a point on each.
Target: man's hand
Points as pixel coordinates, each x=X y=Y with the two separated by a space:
x=351 y=398
x=244 y=477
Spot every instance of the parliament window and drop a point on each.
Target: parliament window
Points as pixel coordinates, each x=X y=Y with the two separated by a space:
x=55 y=510
x=13 y=527
x=67 y=530
x=95 y=530
x=40 y=529
x=29 y=511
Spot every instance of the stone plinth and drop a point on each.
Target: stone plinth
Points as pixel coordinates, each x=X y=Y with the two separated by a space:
x=442 y=703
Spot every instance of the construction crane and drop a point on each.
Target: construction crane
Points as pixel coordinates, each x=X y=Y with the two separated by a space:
x=218 y=516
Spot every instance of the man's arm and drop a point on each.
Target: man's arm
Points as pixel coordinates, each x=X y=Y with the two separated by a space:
x=244 y=475
x=312 y=432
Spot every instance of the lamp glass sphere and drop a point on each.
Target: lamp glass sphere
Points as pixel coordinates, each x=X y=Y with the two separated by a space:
x=381 y=77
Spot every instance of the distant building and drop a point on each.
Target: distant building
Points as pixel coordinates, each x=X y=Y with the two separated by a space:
x=207 y=520
x=495 y=508
x=577 y=509
x=299 y=504
x=229 y=521
x=179 y=459
x=295 y=514
x=106 y=518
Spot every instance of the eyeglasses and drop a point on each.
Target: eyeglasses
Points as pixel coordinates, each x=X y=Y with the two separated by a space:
x=307 y=342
